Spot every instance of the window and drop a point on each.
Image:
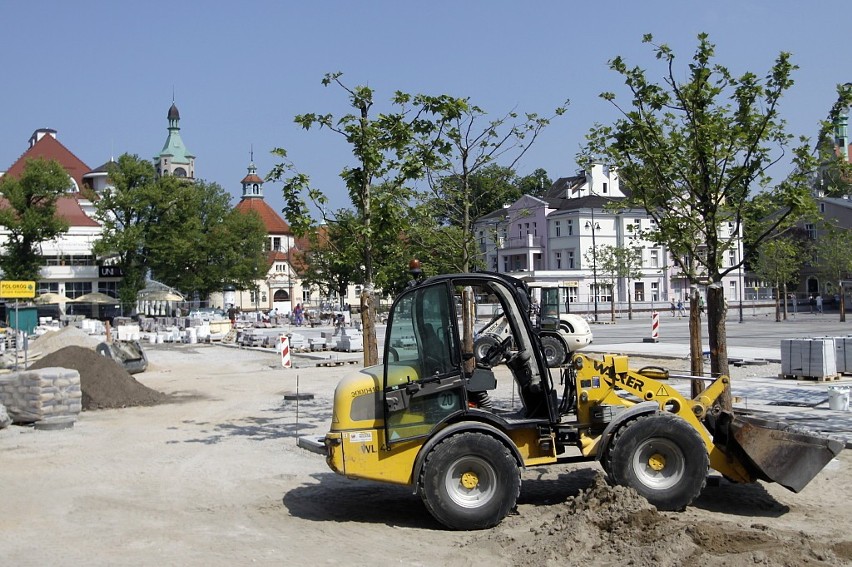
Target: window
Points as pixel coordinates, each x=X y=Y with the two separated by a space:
x=811 y=230
x=570 y=227
x=557 y=226
x=306 y=293
x=639 y=291
x=505 y=263
x=520 y=231
x=732 y=257
x=605 y=187
x=47 y=287
x=655 y=291
x=535 y=230
x=76 y=289
x=654 y=259
x=558 y=257
x=109 y=288
x=276 y=243
x=822 y=207
x=570 y=254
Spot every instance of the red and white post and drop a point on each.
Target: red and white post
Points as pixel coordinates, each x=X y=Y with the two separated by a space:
x=285 y=352
x=655 y=328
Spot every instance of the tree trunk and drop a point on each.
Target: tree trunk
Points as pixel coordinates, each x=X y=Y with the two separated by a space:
x=842 y=305
x=629 y=302
x=612 y=303
x=777 y=303
x=468 y=316
x=368 y=324
x=717 y=332
x=784 y=295
x=695 y=343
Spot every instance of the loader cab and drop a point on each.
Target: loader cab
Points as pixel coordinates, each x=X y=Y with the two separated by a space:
x=427 y=374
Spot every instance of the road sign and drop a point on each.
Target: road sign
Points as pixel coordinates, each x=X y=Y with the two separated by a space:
x=17 y=289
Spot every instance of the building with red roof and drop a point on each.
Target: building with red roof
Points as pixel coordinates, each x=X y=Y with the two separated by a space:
x=70 y=268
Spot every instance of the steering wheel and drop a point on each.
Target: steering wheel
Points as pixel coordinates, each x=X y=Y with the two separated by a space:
x=497 y=352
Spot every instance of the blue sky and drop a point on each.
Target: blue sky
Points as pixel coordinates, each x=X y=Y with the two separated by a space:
x=102 y=73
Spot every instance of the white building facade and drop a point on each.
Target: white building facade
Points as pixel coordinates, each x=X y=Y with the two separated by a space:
x=554 y=239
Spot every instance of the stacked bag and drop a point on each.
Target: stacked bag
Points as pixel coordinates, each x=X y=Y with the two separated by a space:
x=31 y=396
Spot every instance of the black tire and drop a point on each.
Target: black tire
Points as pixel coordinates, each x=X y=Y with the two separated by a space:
x=662 y=457
x=470 y=481
x=482 y=345
x=554 y=351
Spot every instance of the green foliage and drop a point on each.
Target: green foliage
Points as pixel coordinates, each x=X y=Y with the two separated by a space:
x=392 y=149
x=185 y=234
x=832 y=259
x=28 y=213
x=465 y=181
x=693 y=151
x=779 y=261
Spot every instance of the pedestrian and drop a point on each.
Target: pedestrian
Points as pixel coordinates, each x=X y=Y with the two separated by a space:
x=701 y=304
x=812 y=303
x=819 y=303
x=232 y=315
x=673 y=307
x=297 y=314
x=680 y=311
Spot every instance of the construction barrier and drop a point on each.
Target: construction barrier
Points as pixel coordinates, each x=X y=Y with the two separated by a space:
x=655 y=329
x=285 y=352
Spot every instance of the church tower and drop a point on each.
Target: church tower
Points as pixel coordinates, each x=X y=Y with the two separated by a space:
x=174 y=159
x=252 y=183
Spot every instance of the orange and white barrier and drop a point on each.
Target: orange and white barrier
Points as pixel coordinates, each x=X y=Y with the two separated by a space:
x=284 y=346
x=655 y=326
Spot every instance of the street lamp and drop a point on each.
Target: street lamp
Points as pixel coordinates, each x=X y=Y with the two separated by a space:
x=594 y=226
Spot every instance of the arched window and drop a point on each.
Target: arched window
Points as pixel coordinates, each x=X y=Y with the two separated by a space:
x=281 y=295
x=180 y=172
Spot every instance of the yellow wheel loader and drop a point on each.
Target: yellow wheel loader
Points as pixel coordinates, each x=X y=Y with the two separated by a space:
x=424 y=418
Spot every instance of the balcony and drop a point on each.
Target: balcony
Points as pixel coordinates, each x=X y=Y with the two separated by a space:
x=524 y=243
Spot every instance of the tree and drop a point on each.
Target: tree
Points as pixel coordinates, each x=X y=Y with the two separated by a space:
x=618 y=263
x=183 y=233
x=28 y=213
x=466 y=183
x=779 y=262
x=833 y=261
x=126 y=217
x=536 y=183
x=394 y=147
x=333 y=261
x=692 y=151
x=202 y=243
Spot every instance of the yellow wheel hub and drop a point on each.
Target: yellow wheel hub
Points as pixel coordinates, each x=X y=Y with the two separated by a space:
x=657 y=462
x=469 y=480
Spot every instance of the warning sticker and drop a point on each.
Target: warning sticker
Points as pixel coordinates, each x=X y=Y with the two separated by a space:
x=361 y=437
x=662 y=391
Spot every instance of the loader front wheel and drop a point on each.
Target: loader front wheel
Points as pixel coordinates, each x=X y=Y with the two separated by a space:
x=662 y=457
x=470 y=481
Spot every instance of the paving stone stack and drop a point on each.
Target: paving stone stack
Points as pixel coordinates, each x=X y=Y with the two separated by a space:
x=32 y=396
x=809 y=358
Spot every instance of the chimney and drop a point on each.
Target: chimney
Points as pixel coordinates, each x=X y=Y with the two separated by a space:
x=41 y=133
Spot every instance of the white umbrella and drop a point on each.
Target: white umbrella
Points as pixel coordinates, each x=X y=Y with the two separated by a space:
x=51 y=298
x=96 y=297
x=160 y=295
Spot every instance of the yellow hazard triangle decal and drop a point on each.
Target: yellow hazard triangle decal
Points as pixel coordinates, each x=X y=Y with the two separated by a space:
x=662 y=391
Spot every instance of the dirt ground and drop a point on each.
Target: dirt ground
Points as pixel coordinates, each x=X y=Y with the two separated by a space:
x=213 y=477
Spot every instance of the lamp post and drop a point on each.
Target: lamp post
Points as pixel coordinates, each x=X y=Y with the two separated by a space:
x=594 y=226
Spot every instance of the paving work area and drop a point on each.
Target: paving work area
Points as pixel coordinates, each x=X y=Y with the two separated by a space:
x=212 y=476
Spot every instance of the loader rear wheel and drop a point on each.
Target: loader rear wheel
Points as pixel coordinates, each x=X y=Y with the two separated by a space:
x=482 y=345
x=470 y=481
x=554 y=351
x=662 y=457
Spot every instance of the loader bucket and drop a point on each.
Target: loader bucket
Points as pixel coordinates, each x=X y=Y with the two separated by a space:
x=778 y=452
x=129 y=354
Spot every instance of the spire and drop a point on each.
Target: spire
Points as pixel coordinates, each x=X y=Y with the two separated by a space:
x=252 y=183
x=174 y=158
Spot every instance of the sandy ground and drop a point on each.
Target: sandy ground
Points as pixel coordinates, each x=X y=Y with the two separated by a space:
x=215 y=478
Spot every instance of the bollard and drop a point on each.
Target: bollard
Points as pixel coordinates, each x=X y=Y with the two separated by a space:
x=285 y=352
x=655 y=329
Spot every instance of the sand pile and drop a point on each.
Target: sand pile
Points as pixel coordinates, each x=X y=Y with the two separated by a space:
x=613 y=525
x=105 y=383
x=52 y=341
